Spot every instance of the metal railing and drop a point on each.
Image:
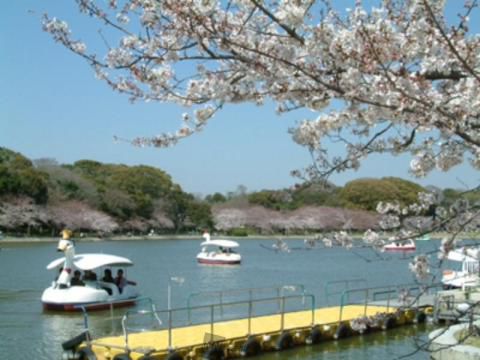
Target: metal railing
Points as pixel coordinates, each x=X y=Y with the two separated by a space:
x=250 y=293
x=112 y=317
x=449 y=307
x=405 y=295
x=344 y=285
x=250 y=306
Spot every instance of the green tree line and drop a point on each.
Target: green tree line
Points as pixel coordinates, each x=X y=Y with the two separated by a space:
x=127 y=192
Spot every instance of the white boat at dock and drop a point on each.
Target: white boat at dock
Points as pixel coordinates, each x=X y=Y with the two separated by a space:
x=67 y=295
x=465 y=275
x=218 y=252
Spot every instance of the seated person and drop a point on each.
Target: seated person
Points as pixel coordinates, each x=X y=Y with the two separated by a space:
x=107 y=276
x=121 y=281
x=75 y=280
x=89 y=275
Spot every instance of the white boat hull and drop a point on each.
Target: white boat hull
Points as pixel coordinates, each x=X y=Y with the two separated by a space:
x=214 y=258
x=400 y=246
x=92 y=296
x=459 y=279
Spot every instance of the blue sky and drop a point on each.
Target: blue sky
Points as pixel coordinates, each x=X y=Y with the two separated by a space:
x=51 y=106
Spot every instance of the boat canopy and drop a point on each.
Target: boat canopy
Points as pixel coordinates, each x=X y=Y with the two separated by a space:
x=463 y=255
x=92 y=261
x=222 y=243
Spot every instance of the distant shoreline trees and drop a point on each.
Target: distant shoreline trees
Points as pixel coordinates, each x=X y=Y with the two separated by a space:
x=123 y=192
x=103 y=198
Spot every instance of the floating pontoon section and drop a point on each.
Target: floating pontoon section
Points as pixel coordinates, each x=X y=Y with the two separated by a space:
x=228 y=329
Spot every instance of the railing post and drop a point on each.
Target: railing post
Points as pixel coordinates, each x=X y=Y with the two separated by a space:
x=212 y=312
x=388 y=300
x=85 y=324
x=278 y=297
x=366 y=303
x=341 y=307
x=313 y=309
x=250 y=311
x=189 y=311
x=170 y=329
x=221 y=304
x=85 y=317
x=282 y=315
x=125 y=331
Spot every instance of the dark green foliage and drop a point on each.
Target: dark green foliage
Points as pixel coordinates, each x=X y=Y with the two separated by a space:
x=19 y=177
x=367 y=193
x=144 y=192
x=316 y=194
x=117 y=203
x=215 y=198
x=186 y=212
x=452 y=195
x=125 y=192
x=200 y=214
x=308 y=194
x=66 y=184
x=271 y=199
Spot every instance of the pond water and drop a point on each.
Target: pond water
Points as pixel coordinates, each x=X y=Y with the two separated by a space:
x=26 y=332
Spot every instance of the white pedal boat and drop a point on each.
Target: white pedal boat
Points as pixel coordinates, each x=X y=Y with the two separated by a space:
x=218 y=252
x=403 y=245
x=93 y=295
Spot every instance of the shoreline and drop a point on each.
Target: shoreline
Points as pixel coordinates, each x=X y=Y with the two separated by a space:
x=15 y=240
x=36 y=239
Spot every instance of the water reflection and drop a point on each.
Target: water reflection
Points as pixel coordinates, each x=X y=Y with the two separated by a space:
x=393 y=344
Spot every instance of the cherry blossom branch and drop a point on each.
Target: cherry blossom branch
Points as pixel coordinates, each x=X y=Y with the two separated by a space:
x=449 y=43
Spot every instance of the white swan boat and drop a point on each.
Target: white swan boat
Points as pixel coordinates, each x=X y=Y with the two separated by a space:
x=466 y=275
x=403 y=245
x=64 y=295
x=218 y=252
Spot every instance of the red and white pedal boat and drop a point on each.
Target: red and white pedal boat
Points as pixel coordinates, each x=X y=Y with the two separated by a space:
x=218 y=252
x=402 y=245
x=93 y=295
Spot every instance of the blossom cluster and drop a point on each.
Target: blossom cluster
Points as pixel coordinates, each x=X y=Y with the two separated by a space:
x=403 y=79
x=420 y=267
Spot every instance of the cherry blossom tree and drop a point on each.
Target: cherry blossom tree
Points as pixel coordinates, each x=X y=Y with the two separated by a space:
x=396 y=78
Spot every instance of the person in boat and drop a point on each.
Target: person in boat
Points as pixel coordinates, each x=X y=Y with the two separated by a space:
x=122 y=281
x=76 y=281
x=89 y=275
x=107 y=276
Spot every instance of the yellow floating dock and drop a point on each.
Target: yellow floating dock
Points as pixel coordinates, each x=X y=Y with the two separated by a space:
x=230 y=337
x=247 y=334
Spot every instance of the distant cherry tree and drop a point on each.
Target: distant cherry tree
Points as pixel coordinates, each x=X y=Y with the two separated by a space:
x=397 y=78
